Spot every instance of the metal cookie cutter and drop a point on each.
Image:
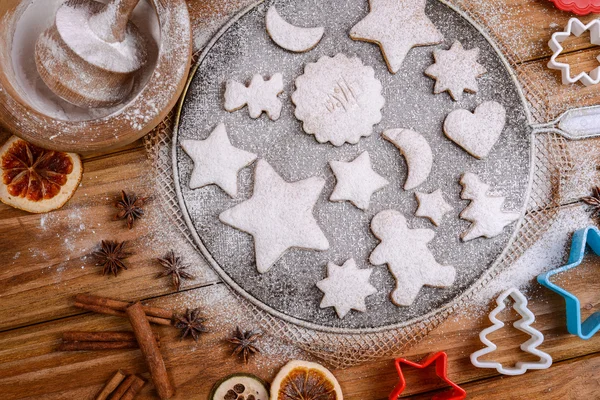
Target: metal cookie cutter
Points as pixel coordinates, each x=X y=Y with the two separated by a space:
x=587 y=329
x=524 y=325
x=575 y=27
x=441 y=369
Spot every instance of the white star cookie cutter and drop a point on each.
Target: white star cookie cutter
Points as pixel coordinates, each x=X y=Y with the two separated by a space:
x=575 y=27
x=524 y=325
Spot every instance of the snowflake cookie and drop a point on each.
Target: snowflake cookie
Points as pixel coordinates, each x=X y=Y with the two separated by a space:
x=397 y=26
x=260 y=96
x=338 y=99
x=216 y=161
x=455 y=70
x=356 y=181
x=484 y=212
x=346 y=288
x=405 y=252
x=432 y=206
x=279 y=216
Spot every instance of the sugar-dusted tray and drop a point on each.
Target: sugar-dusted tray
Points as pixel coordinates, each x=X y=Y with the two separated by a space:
x=288 y=290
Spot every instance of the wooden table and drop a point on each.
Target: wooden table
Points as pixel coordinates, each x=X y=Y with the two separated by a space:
x=46 y=259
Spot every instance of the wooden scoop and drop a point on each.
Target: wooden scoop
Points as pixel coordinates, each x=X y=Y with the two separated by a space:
x=92 y=54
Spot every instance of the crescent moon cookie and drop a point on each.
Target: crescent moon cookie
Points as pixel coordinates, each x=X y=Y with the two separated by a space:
x=338 y=99
x=416 y=151
x=290 y=37
x=279 y=216
x=356 y=181
x=405 y=252
x=477 y=132
x=216 y=161
x=397 y=26
x=346 y=288
x=485 y=212
x=260 y=96
x=455 y=70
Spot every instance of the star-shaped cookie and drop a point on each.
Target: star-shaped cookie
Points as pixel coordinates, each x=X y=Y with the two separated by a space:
x=432 y=206
x=346 y=288
x=356 y=181
x=279 y=216
x=397 y=26
x=216 y=161
x=456 y=70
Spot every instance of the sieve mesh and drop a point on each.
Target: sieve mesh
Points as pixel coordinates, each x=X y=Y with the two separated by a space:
x=553 y=167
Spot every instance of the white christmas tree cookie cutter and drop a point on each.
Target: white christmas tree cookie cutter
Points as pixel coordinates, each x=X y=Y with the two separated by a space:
x=575 y=27
x=524 y=325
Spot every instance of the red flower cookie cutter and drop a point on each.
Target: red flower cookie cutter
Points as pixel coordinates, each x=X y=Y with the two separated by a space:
x=579 y=7
x=441 y=369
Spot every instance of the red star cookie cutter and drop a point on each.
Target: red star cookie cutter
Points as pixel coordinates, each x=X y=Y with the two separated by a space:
x=440 y=360
x=579 y=7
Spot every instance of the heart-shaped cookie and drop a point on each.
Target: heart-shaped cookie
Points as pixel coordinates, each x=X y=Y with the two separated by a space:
x=476 y=132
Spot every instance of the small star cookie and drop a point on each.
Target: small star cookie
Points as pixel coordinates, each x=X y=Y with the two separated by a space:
x=432 y=206
x=216 y=161
x=356 y=181
x=397 y=26
x=346 y=288
x=260 y=96
x=279 y=216
x=455 y=70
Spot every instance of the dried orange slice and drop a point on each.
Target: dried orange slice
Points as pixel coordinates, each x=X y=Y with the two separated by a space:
x=37 y=180
x=303 y=380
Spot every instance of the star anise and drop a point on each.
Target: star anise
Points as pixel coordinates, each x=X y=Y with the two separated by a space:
x=244 y=342
x=111 y=256
x=594 y=201
x=130 y=208
x=175 y=267
x=191 y=323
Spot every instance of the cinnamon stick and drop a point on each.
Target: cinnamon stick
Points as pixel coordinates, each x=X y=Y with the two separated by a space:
x=111 y=385
x=135 y=387
x=110 y=336
x=123 y=387
x=94 y=346
x=121 y=305
x=111 y=311
x=150 y=350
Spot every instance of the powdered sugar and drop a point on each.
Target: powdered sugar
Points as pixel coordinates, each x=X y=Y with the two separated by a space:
x=33 y=18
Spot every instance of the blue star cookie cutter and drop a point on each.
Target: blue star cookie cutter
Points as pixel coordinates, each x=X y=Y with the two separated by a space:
x=587 y=328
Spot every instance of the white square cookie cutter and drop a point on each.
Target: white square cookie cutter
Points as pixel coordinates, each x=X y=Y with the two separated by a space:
x=577 y=28
x=524 y=325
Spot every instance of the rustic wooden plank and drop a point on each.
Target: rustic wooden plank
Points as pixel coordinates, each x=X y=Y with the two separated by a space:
x=29 y=367
x=50 y=256
x=32 y=348
x=546 y=93
x=524 y=27
x=571 y=379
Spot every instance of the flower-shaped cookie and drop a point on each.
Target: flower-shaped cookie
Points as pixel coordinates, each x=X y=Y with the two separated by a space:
x=338 y=99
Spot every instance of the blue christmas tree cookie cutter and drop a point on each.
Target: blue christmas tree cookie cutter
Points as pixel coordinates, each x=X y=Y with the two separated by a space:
x=589 y=236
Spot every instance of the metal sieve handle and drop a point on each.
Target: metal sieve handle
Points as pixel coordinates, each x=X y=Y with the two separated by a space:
x=579 y=123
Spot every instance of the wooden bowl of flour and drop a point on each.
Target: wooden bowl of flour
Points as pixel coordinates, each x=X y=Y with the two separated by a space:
x=30 y=110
